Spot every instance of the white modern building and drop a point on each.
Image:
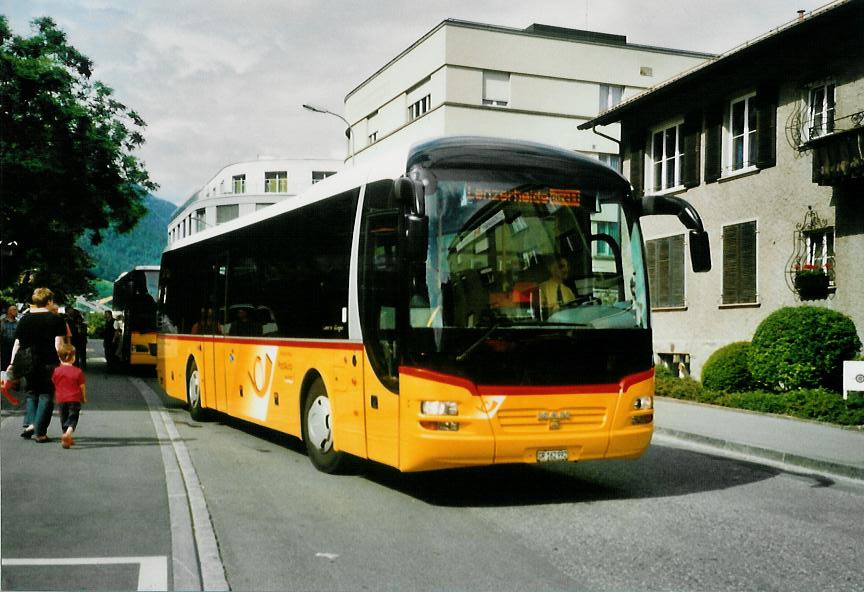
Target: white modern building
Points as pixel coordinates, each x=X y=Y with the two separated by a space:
x=245 y=187
x=537 y=83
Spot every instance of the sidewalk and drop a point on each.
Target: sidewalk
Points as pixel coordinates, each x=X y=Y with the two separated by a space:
x=805 y=444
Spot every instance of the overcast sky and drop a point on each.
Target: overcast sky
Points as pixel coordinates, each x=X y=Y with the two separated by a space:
x=221 y=81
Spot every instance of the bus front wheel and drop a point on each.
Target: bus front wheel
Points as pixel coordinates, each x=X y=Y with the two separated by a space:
x=193 y=392
x=318 y=431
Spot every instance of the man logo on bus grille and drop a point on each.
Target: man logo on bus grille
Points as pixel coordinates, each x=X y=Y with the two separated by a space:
x=554 y=417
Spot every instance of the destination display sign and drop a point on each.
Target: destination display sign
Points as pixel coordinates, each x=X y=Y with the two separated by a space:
x=548 y=195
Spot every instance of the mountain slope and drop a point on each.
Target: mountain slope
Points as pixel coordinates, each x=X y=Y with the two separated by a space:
x=141 y=246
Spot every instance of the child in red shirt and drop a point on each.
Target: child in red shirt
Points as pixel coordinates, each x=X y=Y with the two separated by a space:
x=70 y=391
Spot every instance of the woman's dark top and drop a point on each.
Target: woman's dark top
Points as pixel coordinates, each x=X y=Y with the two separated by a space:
x=38 y=330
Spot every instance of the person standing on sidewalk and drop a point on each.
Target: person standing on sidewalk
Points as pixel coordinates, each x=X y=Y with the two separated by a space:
x=9 y=323
x=70 y=391
x=109 y=333
x=43 y=333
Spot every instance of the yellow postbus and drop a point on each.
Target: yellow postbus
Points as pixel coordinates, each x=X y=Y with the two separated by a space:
x=473 y=301
x=135 y=301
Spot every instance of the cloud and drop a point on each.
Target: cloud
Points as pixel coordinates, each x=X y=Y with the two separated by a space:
x=219 y=81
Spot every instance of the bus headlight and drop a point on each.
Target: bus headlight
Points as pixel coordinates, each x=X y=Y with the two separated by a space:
x=643 y=402
x=439 y=408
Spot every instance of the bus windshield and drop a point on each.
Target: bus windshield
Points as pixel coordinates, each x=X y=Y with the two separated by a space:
x=526 y=275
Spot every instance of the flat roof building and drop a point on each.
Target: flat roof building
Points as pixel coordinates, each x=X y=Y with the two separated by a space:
x=244 y=187
x=537 y=83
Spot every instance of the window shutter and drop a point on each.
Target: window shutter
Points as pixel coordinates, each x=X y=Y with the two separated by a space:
x=651 y=260
x=637 y=163
x=766 y=130
x=730 y=265
x=496 y=86
x=692 y=130
x=713 y=144
x=747 y=245
x=676 y=270
x=739 y=263
x=665 y=260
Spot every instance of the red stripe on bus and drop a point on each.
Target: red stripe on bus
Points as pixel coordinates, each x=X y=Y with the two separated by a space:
x=480 y=390
x=274 y=342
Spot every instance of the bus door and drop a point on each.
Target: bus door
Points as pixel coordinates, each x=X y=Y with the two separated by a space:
x=214 y=368
x=379 y=295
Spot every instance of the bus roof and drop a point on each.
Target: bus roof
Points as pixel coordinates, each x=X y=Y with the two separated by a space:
x=137 y=268
x=447 y=150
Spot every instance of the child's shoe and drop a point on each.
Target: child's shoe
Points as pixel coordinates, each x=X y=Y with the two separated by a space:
x=66 y=440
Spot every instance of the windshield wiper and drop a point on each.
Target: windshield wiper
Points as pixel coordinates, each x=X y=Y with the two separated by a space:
x=476 y=344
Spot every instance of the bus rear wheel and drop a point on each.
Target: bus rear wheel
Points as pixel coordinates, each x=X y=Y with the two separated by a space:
x=193 y=392
x=318 y=431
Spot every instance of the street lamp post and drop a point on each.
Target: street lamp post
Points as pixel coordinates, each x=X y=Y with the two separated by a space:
x=348 y=132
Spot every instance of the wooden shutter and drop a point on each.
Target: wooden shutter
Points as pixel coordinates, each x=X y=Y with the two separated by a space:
x=665 y=258
x=692 y=131
x=713 y=143
x=747 y=290
x=651 y=263
x=766 y=129
x=676 y=270
x=739 y=263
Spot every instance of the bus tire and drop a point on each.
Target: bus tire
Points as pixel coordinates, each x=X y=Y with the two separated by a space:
x=193 y=392
x=318 y=431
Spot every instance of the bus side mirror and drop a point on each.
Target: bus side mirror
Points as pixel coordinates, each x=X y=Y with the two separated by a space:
x=663 y=205
x=700 y=251
x=411 y=194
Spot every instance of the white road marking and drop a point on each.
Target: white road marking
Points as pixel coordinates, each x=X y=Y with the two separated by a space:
x=185 y=496
x=152 y=571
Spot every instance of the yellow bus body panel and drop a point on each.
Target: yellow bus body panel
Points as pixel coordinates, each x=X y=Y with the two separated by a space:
x=263 y=382
x=498 y=425
x=142 y=349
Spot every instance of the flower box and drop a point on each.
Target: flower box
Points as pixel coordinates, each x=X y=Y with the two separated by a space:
x=811 y=284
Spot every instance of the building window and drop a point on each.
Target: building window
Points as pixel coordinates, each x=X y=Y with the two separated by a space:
x=419 y=107
x=613 y=161
x=227 y=213
x=200 y=220
x=821 y=110
x=739 y=263
x=666 y=158
x=610 y=95
x=677 y=363
x=276 y=182
x=259 y=206
x=321 y=175
x=603 y=248
x=820 y=249
x=496 y=88
x=238 y=183
x=742 y=133
x=665 y=259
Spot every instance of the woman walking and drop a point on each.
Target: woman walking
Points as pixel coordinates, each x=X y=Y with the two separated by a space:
x=42 y=334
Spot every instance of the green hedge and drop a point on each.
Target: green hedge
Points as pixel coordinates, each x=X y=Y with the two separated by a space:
x=727 y=369
x=817 y=404
x=802 y=347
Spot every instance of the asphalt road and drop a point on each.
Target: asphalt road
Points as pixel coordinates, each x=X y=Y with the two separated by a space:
x=674 y=520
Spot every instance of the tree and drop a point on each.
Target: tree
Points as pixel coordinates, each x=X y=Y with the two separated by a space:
x=67 y=162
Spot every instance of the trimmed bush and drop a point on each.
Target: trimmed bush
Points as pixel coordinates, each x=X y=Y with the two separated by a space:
x=726 y=370
x=802 y=347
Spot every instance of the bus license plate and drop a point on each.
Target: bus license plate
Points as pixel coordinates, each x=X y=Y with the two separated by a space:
x=551 y=456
